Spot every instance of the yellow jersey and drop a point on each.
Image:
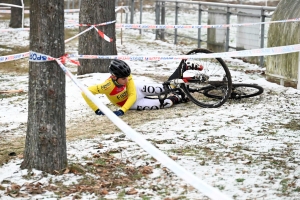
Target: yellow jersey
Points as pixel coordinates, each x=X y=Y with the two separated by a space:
x=122 y=96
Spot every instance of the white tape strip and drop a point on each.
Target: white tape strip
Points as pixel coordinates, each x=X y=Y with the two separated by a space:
x=161 y=26
x=78 y=10
x=244 y=53
x=11 y=5
x=75 y=36
x=124 y=8
x=9 y=11
x=14 y=29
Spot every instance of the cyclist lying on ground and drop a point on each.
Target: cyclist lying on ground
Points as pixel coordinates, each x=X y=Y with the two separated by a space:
x=122 y=91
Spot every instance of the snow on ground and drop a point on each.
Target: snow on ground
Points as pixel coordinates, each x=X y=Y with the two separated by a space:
x=247 y=149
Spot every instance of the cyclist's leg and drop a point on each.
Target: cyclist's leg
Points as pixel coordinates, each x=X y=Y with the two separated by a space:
x=175 y=75
x=145 y=101
x=150 y=104
x=148 y=89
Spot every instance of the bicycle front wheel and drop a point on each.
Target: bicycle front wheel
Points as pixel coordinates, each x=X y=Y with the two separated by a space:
x=214 y=74
x=239 y=91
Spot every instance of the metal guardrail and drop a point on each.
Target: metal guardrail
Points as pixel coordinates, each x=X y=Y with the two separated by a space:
x=223 y=9
x=175 y=8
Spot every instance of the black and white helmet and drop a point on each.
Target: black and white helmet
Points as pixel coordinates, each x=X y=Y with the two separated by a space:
x=119 y=68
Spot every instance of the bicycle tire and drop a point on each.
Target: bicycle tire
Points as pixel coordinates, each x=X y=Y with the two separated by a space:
x=239 y=91
x=213 y=68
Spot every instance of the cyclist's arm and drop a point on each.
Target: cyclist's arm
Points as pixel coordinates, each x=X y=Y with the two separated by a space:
x=94 y=90
x=132 y=96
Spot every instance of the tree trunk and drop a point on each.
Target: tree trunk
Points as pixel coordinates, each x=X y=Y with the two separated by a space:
x=90 y=43
x=16 y=15
x=283 y=68
x=45 y=147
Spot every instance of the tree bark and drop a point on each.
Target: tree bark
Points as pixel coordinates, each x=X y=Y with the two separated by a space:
x=16 y=15
x=45 y=147
x=90 y=43
x=283 y=34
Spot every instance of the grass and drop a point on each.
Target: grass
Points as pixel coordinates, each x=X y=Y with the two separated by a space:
x=85 y=128
x=5 y=17
x=8 y=147
x=70 y=32
x=240 y=180
x=294 y=125
x=9 y=95
x=18 y=67
x=113 y=176
x=121 y=194
x=285 y=184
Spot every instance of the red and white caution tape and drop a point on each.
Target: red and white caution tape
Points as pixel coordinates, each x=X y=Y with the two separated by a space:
x=102 y=35
x=13 y=57
x=244 y=53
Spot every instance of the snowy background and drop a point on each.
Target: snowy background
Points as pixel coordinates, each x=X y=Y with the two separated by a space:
x=247 y=149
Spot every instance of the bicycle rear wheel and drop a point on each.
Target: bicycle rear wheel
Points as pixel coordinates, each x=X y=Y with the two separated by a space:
x=239 y=91
x=244 y=90
x=198 y=81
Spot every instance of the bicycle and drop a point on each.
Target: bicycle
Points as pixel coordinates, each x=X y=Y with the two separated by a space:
x=239 y=91
x=193 y=81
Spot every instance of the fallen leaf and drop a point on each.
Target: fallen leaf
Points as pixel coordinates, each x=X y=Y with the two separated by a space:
x=132 y=191
x=67 y=170
x=104 y=192
x=146 y=170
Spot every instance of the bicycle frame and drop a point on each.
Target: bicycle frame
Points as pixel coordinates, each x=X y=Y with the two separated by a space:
x=193 y=76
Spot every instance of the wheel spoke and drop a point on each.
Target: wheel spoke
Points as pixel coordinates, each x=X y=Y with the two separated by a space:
x=213 y=70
